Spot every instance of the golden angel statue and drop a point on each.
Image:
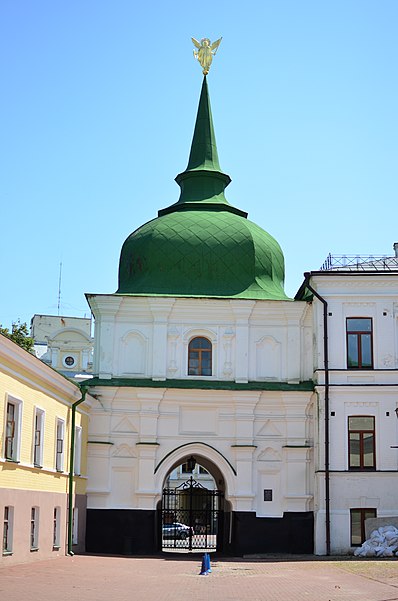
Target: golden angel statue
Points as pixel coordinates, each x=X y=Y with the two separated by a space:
x=205 y=52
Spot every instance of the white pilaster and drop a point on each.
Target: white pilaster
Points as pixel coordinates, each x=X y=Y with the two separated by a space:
x=160 y=309
x=146 y=493
x=242 y=311
x=245 y=494
x=149 y=415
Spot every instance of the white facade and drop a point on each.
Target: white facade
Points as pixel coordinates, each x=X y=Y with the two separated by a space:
x=252 y=340
x=368 y=391
x=250 y=438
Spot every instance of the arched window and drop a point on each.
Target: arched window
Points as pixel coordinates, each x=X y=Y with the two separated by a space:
x=199 y=357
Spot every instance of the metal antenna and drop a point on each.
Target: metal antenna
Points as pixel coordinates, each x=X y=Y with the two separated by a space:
x=59 y=286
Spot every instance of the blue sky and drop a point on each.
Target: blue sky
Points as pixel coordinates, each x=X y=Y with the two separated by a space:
x=98 y=105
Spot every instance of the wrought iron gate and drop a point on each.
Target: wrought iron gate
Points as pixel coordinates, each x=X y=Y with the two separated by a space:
x=191 y=516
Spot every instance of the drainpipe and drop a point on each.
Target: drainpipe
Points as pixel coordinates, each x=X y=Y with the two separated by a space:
x=326 y=369
x=71 y=469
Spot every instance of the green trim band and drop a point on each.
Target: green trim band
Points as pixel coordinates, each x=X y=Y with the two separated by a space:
x=149 y=444
x=306 y=386
x=297 y=446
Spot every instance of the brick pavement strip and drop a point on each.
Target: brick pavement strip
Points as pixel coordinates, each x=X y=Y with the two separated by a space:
x=97 y=578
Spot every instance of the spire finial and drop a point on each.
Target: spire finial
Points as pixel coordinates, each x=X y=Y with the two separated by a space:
x=203 y=153
x=206 y=51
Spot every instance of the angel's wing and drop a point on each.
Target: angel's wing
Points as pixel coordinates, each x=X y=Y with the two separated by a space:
x=216 y=44
x=196 y=43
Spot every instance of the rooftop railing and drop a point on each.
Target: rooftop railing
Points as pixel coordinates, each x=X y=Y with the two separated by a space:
x=359 y=263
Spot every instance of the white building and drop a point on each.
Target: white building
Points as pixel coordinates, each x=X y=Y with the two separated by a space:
x=65 y=343
x=357 y=301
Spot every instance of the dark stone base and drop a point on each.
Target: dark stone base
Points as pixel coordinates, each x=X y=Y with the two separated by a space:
x=293 y=533
x=122 y=531
x=137 y=532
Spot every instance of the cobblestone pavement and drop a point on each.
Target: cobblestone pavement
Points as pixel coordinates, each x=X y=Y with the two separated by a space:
x=97 y=578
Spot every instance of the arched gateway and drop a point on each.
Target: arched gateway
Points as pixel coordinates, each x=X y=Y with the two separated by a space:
x=193 y=513
x=192 y=517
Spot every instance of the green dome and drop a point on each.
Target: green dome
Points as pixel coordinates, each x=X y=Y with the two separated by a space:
x=201 y=246
x=202 y=253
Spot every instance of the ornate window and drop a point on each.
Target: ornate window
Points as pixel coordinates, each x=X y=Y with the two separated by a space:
x=357 y=519
x=359 y=343
x=361 y=442
x=199 y=357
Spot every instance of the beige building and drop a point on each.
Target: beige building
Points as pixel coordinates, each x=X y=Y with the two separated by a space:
x=36 y=407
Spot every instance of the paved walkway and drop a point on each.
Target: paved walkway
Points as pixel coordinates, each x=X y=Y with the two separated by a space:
x=93 y=578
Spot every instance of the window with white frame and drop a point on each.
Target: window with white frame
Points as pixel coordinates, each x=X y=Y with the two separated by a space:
x=12 y=429
x=38 y=435
x=56 y=527
x=75 y=526
x=7 y=529
x=59 y=445
x=78 y=451
x=34 y=529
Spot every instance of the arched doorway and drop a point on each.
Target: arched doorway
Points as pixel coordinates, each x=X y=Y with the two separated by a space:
x=191 y=512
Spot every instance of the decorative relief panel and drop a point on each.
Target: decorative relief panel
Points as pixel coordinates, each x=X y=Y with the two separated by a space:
x=388 y=361
x=270 y=454
x=269 y=429
x=198 y=421
x=124 y=450
x=133 y=352
x=268 y=359
x=125 y=426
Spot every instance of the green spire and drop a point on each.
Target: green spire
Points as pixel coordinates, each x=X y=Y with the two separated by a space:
x=203 y=183
x=204 y=153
